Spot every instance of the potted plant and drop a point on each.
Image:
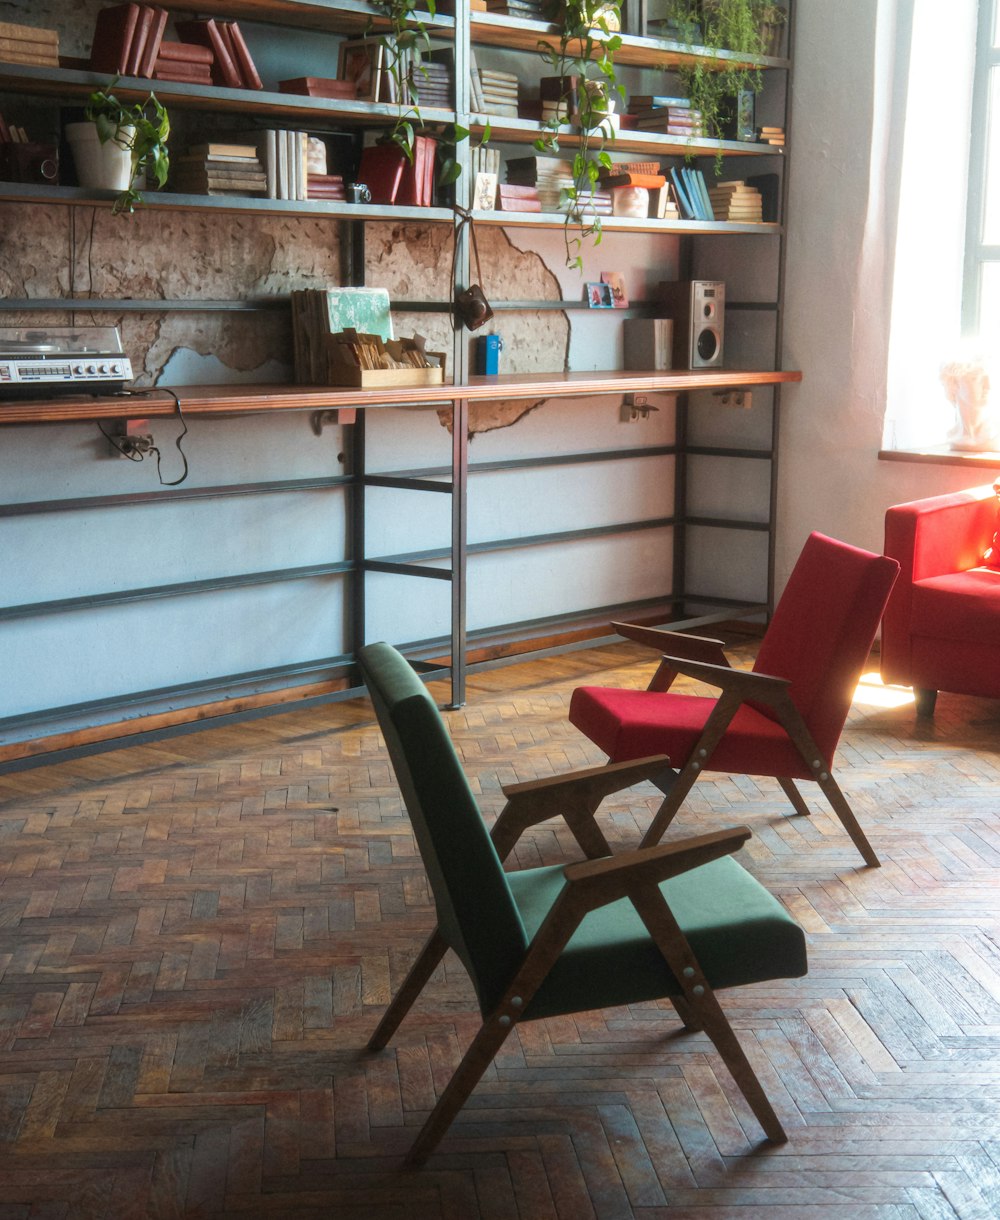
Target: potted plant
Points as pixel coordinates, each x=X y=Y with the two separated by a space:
x=120 y=145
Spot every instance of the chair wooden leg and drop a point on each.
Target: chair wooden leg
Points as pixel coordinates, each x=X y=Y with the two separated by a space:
x=795 y=796
x=689 y=1018
x=831 y=790
x=682 y=785
x=421 y=970
x=700 y=998
x=467 y=1075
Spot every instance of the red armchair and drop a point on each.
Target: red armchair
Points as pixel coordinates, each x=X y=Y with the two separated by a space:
x=784 y=718
x=941 y=629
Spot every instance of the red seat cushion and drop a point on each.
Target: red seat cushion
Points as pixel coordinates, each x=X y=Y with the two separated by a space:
x=629 y=724
x=958 y=606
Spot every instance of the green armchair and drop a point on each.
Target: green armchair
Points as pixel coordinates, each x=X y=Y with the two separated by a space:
x=677 y=921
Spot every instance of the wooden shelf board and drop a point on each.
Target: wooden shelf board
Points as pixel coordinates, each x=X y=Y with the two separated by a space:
x=627 y=224
x=244 y=399
x=347 y=16
x=522 y=34
x=526 y=131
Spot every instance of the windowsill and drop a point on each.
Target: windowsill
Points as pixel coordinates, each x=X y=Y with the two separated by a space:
x=942 y=455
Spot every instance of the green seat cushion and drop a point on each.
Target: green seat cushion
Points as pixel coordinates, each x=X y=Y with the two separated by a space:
x=739 y=932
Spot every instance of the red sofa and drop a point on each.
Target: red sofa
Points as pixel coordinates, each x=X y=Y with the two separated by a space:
x=941 y=629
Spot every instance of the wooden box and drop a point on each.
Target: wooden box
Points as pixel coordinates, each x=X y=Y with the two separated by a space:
x=342 y=369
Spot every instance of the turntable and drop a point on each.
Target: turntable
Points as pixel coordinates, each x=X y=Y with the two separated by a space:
x=39 y=361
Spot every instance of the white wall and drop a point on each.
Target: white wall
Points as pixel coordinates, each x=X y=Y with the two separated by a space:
x=841 y=207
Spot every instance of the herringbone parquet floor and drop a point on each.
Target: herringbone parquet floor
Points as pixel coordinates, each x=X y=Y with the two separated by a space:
x=197 y=938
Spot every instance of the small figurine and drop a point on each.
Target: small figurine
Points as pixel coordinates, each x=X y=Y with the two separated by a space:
x=967 y=386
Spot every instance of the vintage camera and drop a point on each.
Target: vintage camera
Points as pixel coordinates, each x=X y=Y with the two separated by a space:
x=472 y=307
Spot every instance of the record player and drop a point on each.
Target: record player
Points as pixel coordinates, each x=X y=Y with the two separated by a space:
x=37 y=361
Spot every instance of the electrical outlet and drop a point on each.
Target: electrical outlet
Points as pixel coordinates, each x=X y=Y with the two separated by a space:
x=741 y=399
x=134 y=446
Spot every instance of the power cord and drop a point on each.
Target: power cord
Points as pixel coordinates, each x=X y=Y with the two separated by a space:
x=136 y=448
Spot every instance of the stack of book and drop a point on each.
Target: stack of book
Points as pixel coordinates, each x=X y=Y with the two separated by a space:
x=325 y=186
x=183 y=61
x=771 y=135
x=735 y=201
x=558 y=96
x=498 y=92
x=430 y=83
x=517 y=198
x=553 y=179
x=29 y=44
x=127 y=39
x=319 y=86
x=283 y=156
x=533 y=10
x=232 y=65
x=671 y=116
x=219 y=169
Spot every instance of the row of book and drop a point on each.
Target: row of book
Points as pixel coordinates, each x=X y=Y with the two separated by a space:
x=393 y=178
x=29 y=44
x=129 y=41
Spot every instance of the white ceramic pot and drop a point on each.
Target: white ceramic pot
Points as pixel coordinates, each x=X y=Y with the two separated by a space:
x=101 y=166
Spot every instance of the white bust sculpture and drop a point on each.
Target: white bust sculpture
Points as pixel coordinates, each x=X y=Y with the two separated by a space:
x=967 y=386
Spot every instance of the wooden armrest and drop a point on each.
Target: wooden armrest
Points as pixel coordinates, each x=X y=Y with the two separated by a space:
x=615 y=877
x=574 y=797
x=694 y=647
x=612 y=777
x=746 y=683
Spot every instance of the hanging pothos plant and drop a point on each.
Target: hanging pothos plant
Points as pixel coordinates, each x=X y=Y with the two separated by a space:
x=403 y=48
x=720 y=25
x=583 y=61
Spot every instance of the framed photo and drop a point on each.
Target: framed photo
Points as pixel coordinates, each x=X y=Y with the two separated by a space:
x=484 y=192
x=616 y=283
x=599 y=295
x=361 y=62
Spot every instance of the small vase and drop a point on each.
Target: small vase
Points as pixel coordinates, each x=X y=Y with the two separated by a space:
x=100 y=166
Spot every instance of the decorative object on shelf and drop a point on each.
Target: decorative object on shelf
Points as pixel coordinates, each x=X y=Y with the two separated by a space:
x=24 y=160
x=587 y=40
x=967 y=386
x=137 y=132
x=599 y=295
x=367 y=360
x=616 y=282
x=772 y=19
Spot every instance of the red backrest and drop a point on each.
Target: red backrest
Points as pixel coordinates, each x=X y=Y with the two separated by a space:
x=822 y=631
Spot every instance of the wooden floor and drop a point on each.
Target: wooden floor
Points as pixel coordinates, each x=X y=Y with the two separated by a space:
x=196 y=938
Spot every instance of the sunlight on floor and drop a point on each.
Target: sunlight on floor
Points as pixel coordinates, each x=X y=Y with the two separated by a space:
x=871 y=692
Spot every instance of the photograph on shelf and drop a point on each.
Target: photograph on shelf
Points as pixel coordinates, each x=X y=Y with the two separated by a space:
x=616 y=282
x=599 y=295
x=361 y=63
x=484 y=192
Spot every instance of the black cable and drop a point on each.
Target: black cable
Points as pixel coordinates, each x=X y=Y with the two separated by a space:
x=138 y=455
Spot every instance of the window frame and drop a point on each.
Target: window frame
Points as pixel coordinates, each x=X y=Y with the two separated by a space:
x=977 y=253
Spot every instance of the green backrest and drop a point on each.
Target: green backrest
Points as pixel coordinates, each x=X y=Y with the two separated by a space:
x=475 y=908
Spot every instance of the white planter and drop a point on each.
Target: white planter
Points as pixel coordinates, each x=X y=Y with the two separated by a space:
x=101 y=166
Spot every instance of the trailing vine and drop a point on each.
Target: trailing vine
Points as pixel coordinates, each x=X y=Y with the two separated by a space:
x=403 y=49
x=588 y=40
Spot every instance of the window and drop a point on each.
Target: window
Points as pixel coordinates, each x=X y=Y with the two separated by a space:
x=981 y=296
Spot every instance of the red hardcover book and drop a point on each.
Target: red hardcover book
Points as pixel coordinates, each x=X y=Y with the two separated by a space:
x=247 y=68
x=186 y=52
x=319 y=86
x=113 y=38
x=381 y=170
x=153 y=40
x=206 y=34
x=138 y=47
x=191 y=74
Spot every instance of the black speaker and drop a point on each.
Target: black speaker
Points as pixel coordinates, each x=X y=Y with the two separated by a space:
x=698 y=309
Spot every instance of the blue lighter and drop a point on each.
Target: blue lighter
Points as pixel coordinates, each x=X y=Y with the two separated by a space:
x=488 y=349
